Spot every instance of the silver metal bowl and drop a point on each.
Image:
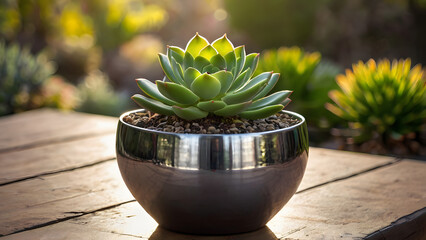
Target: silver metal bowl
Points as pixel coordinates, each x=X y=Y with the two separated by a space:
x=212 y=183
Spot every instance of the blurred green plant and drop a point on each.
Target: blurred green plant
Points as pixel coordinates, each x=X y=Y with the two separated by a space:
x=22 y=76
x=213 y=79
x=385 y=99
x=308 y=78
x=111 y=22
x=97 y=96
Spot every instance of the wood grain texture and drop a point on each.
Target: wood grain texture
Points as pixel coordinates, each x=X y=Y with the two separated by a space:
x=37 y=201
x=56 y=157
x=325 y=165
x=355 y=207
x=409 y=227
x=45 y=126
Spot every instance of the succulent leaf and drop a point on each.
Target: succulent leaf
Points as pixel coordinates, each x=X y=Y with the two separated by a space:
x=206 y=86
x=272 y=99
x=177 y=93
x=177 y=53
x=210 y=69
x=240 y=80
x=151 y=90
x=223 y=45
x=251 y=62
x=208 y=52
x=240 y=52
x=190 y=75
x=188 y=60
x=189 y=113
x=268 y=87
x=225 y=78
x=218 y=61
x=255 y=80
x=200 y=62
x=232 y=110
x=167 y=67
x=211 y=105
x=177 y=70
x=231 y=60
x=244 y=95
x=286 y=102
x=196 y=44
x=152 y=105
x=261 y=112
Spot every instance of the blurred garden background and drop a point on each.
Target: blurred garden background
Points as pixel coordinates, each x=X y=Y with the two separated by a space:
x=84 y=55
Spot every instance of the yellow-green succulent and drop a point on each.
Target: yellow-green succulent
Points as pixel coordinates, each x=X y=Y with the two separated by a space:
x=211 y=78
x=385 y=98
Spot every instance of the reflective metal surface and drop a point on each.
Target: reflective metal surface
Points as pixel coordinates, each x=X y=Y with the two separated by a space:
x=212 y=183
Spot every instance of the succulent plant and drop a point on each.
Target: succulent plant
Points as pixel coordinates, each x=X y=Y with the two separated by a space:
x=385 y=98
x=22 y=76
x=296 y=67
x=213 y=79
x=96 y=95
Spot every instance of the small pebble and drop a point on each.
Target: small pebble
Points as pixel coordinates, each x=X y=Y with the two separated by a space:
x=270 y=127
x=211 y=129
x=234 y=129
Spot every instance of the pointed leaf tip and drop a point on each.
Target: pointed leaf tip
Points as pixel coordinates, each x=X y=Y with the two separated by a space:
x=195 y=45
x=223 y=45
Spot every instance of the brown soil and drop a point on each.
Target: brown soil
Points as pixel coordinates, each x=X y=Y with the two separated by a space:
x=210 y=124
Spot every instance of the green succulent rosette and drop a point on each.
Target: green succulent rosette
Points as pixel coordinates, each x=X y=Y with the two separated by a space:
x=214 y=79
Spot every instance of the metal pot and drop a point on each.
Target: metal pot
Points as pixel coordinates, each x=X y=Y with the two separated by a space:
x=212 y=183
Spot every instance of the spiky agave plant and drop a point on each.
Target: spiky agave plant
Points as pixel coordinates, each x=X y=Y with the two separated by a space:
x=214 y=79
x=385 y=98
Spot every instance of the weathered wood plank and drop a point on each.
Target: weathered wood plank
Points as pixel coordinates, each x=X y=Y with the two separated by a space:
x=347 y=209
x=56 y=157
x=409 y=227
x=41 y=200
x=47 y=125
x=325 y=165
x=355 y=207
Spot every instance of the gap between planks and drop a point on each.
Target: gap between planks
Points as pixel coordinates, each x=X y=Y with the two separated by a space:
x=351 y=175
x=80 y=214
x=59 y=171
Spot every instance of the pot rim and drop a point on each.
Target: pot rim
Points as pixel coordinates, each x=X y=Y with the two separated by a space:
x=297 y=115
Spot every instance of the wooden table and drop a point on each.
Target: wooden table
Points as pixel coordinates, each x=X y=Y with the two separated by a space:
x=59 y=180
